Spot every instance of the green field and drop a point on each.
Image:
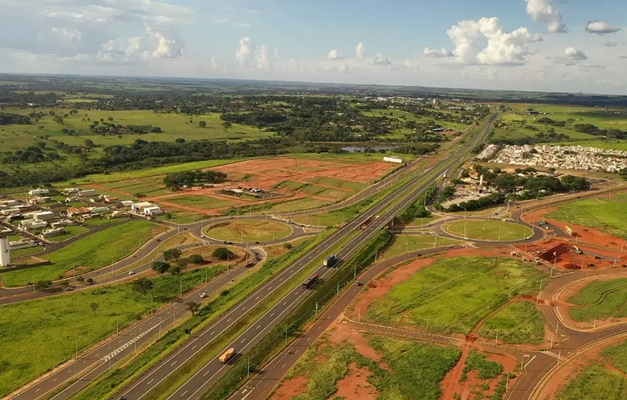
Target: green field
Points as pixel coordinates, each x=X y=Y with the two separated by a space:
x=601 y=144
x=200 y=202
x=518 y=323
x=71 y=231
x=297 y=205
x=250 y=231
x=405 y=243
x=414 y=370
x=16 y=254
x=595 y=383
x=37 y=335
x=149 y=187
x=600 y=299
x=488 y=229
x=339 y=183
x=602 y=213
x=91 y=252
x=453 y=295
x=617 y=355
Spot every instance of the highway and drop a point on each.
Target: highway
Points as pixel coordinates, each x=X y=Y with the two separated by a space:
x=209 y=373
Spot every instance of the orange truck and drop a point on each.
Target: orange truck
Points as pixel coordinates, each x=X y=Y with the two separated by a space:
x=227 y=355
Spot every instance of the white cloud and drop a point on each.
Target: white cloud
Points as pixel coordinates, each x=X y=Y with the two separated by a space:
x=154 y=44
x=240 y=25
x=501 y=48
x=380 y=59
x=276 y=52
x=607 y=43
x=543 y=11
x=360 y=51
x=334 y=55
x=601 y=27
x=262 y=58
x=574 y=54
x=167 y=46
x=437 y=52
x=244 y=51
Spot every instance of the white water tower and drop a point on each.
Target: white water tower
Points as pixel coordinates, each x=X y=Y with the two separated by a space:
x=5 y=252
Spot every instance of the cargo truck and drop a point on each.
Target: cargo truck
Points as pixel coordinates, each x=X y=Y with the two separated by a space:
x=310 y=281
x=330 y=261
x=227 y=355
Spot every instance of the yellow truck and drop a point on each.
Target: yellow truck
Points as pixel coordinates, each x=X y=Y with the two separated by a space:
x=227 y=355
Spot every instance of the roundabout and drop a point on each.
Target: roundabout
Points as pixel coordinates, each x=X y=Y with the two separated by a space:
x=487 y=230
x=249 y=231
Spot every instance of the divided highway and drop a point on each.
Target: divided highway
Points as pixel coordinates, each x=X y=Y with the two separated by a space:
x=212 y=371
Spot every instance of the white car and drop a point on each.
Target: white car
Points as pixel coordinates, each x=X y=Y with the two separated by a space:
x=203 y=295
x=131 y=272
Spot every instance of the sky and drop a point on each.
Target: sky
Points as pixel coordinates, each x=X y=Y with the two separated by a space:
x=544 y=45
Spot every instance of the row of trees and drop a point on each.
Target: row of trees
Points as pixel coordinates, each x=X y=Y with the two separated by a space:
x=178 y=180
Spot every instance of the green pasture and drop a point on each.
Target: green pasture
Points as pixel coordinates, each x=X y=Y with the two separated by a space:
x=606 y=214
x=405 y=243
x=70 y=232
x=91 y=252
x=518 y=323
x=610 y=118
x=595 y=383
x=488 y=229
x=453 y=295
x=600 y=299
x=37 y=335
x=249 y=231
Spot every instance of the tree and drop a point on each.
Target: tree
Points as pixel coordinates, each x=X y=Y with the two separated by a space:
x=172 y=254
x=90 y=281
x=160 y=266
x=80 y=279
x=143 y=285
x=64 y=284
x=288 y=246
x=202 y=124
x=196 y=259
x=88 y=143
x=175 y=270
x=179 y=140
x=226 y=125
x=42 y=285
x=222 y=253
x=94 y=307
x=193 y=307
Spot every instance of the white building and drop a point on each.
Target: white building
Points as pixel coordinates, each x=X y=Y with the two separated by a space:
x=139 y=207
x=31 y=224
x=38 y=192
x=395 y=160
x=5 y=252
x=152 y=211
x=86 y=193
x=44 y=216
x=52 y=232
x=127 y=203
x=98 y=210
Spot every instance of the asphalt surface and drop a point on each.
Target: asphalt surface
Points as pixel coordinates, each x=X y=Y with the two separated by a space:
x=97 y=360
x=214 y=369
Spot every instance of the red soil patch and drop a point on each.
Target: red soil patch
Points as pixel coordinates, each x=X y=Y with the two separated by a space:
x=291 y=388
x=341 y=333
x=355 y=385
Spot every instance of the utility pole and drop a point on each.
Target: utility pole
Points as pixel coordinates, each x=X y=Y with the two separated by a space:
x=75 y=353
x=316 y=310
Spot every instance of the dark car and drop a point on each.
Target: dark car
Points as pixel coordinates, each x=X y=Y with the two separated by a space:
x=358 y=283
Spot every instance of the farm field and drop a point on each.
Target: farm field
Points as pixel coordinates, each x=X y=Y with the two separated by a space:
x=488 y=229
x=351 y=365
x=60 y=321
x=606 y=214
x=432 y=295
x=600 y=300
x=405 y=243
x=517 y=323
x=249 y=231
x=91 y=252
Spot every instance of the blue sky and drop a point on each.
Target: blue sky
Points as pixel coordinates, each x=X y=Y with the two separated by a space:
x=497 y=44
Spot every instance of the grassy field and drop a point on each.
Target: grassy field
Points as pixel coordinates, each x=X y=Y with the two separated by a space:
x=91 y=252
x=71 y=231
x=601 y=144
x=406 y=116
x=62 y=321
x=250 y=231
x=488 y=229
x=404 y=243
x=453 y=295
x=16 y=254
x=415 y=370
x=595 y=383
x=617 y=355
x=126 y=189
x=518 y=323
x=607 y=214
x=600 y=299
x=200 y=202
x=297 y=205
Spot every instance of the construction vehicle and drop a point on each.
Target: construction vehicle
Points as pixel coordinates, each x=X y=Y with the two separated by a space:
x=329 y=261
x=227 y=355
x=310 y=281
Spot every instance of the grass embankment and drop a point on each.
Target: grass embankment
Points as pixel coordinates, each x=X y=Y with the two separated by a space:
x=453 y=295
x=415 y=369
x=37 y=335
x=86 y=254
x=606 y=214
x=518 y=323
x=488 y=229
x=249 y=231
x=406 y=243
x=596 y=382
x=110 y=382
x=601 y=300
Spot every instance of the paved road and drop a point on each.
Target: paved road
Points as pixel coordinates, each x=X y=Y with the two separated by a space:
x=95 y=361
x=212 y=371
